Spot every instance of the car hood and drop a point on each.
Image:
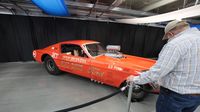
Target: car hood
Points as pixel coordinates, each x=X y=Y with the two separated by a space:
x=128 y=62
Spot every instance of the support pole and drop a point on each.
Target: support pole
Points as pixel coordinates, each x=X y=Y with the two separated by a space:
x=129 y=96
x=197 y=1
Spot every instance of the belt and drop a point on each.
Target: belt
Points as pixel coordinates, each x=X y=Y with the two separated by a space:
x=193 y=94
x=168 y=91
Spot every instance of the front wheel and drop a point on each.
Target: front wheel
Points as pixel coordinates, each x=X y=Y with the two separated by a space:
x=137 y=94
x=50 y=66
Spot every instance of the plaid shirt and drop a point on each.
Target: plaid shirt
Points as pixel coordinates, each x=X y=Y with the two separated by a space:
x=178 y=65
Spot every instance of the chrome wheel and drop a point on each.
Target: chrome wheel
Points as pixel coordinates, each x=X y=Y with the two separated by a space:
x=50 y=65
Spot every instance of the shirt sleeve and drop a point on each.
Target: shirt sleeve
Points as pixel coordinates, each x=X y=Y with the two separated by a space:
x=167 y=60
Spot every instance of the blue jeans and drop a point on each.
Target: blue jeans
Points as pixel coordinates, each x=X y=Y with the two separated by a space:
x=169 y=101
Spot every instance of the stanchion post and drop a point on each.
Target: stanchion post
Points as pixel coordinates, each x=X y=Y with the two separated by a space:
x=130 y=90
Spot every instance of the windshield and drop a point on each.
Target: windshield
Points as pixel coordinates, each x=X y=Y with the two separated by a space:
x=95 y=49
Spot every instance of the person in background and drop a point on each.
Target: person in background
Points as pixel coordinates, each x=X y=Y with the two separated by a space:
x=177 y=69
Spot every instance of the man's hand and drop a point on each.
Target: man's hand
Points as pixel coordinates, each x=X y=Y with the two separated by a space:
x=132 y=78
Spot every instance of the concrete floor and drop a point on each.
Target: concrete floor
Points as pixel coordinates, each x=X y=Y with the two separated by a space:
x=27 y=87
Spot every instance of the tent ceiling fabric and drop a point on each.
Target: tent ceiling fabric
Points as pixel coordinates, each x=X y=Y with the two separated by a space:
x=104 y=10
x=189 y=12
x=55 y=7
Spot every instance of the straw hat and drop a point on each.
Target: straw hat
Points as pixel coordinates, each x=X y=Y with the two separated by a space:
x=173 y=24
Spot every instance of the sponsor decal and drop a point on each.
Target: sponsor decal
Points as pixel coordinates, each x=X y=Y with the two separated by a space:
x=110 y=66
x=96 y=71
x=65 y=64
x=115 y=67
x=76 y=67
x=72 y=66
x=74 y=59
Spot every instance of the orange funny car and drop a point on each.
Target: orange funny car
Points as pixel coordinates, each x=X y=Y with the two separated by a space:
x=90 y=59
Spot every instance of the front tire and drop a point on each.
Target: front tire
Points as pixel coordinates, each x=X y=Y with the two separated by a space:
x=137 y=95
x=50 y=66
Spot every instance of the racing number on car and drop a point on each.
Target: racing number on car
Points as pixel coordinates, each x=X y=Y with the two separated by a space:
x=54 y=55
x=34 y=54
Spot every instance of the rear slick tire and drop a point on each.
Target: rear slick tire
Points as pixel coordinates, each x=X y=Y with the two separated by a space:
x=51 y=66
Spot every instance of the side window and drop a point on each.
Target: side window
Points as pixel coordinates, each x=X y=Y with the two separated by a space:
x=74 y=50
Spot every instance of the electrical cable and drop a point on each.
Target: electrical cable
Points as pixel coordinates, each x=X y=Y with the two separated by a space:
x=93 y=102
x=99 y=100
